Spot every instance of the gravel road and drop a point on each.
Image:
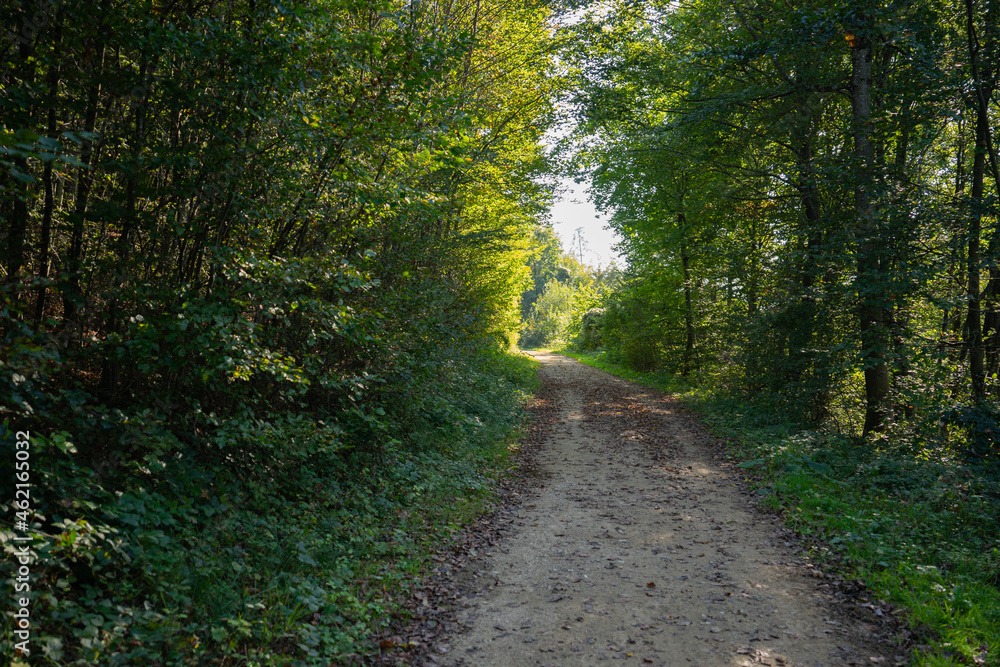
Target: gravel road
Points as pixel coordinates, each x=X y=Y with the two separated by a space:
x=639 y=545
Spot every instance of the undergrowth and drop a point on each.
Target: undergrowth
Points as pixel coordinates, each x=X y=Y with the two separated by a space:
x=917 y=524
x=295 y=556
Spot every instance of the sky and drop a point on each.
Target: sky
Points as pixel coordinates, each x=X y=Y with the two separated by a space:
x=572 y=210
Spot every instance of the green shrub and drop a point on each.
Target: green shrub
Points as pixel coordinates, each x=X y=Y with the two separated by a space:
x=549 y=316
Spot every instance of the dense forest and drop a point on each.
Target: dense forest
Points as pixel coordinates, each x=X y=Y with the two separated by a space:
x=807 y=196
x=265 y=266
x=262 y=268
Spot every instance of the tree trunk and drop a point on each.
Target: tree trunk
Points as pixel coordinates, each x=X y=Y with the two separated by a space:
x=17 y=190
x=974 y=333
x=871 y=309
x=983 y=150
x=897 y=314
x=801 y=361
x=48 y=206
x=73 y=295
x=688 y=301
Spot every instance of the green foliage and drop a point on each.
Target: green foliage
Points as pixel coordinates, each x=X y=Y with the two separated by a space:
x=549 y=317
x=591 y=330
x=260 y=284
x=286 y=554
x=777 y=242
x=979 y=431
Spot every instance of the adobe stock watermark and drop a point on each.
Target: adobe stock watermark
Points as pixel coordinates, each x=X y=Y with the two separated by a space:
x=22 y=549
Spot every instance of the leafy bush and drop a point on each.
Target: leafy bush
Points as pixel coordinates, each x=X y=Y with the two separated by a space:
x=278 y=541
x=591 y=332
x=549 y=316
x=979 y=426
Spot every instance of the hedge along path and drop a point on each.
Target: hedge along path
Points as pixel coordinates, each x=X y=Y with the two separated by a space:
x=638 y=545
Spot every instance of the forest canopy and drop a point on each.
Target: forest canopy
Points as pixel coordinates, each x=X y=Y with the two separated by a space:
x=264 y=266
x=807 y=201
x=261 y=272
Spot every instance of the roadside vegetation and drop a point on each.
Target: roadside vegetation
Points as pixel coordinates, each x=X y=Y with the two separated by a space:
x=807 y=202
x=918 y=527
x=261 y=268
x=563 y=289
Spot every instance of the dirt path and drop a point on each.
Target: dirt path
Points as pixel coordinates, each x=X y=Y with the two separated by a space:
x=639 y=546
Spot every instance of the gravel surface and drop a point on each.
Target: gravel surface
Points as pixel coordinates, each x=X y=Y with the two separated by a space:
x=639 y=545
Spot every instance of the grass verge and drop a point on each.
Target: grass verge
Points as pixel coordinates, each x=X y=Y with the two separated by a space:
x=920 y=528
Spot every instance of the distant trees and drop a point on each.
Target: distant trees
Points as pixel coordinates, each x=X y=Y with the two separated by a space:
x=550 y=315
x=563 y=288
